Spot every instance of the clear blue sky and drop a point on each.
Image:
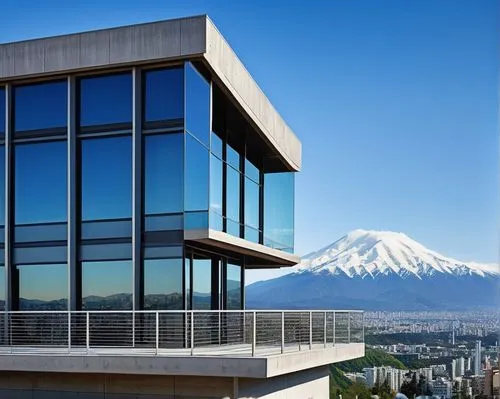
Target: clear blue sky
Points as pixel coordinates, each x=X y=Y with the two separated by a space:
x=396 y=103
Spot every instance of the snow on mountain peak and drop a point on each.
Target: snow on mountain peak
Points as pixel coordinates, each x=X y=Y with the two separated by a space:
x=367 y=253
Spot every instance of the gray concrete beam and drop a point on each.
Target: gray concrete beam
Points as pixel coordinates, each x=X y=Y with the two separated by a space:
x=214 y=366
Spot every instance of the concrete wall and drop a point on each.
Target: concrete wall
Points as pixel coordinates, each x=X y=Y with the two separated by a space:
x=20 y=385
x=306 y=384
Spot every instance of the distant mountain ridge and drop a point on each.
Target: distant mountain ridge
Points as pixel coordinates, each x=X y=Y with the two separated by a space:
x=379 y=270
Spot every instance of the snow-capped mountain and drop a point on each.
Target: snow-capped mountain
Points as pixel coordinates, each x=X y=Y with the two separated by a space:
x=367 y=253
x=379 y=270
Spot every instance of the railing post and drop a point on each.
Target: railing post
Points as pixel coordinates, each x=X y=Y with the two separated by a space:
x=157 y=337
x=87 y=328
x=348 y=327
x=310 y=330
x=282 y=332
x=334 y=328
x=192 y=333
x=324 y=331
x=69 y=331
x=254 y=330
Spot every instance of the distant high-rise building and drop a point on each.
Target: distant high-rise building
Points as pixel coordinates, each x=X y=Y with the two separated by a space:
x=468 y=364
x=461 y=366
x=477 y=358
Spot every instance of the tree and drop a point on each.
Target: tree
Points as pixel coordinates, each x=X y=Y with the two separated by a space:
x=423 y=387
x=409 y=385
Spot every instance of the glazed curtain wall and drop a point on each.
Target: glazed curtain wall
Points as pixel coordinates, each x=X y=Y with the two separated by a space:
x=104 y=173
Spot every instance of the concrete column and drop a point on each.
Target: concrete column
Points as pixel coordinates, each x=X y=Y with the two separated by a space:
x=74 y=291
x=137 y=293
x=8 y=196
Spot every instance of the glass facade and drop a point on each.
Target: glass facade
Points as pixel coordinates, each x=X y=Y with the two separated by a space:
x=42 y=106
x=51 y=295
x=163 y=284
x=40 y=171
x=171 y=172
x=2 y=111
x=106 y=101
x=106 y=178
x=164 y=97
x=107 y=285
x=279 y=210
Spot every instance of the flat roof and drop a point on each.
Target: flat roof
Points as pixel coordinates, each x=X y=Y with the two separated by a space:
x=183 y=38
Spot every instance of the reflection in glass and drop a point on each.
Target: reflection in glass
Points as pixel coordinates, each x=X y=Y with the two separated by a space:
x=40 y=106
x=107 y=285
x=202 y=283
x=2 y=189
x=216 y=193
x=232 y=157
x=197 y=104
x=251 y=203
x=233 y=201
x=279 y=210
x=252 y=171
x=197 y=170
x=2 y=287
x=106 y=169
x=164 y=94
x=2 y=110
x=40 y=182
x=52 y=294
x=216 y=145
x=233 y=286
x=106 y=99
x=163 y=171
x=163 y=284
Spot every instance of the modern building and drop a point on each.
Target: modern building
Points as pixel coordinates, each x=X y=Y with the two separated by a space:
x=477 y=359
x=441 y=388
x=142 y=172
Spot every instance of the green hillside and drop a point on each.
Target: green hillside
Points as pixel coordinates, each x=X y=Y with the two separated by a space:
x=373 y=358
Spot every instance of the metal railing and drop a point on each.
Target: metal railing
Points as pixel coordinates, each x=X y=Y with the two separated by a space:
x=218 y=333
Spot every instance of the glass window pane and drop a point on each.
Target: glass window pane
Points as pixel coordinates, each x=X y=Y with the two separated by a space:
x=2 y=189
x=107 y=285
x=233 y=198
x=216 y=184
x=202 y=283
x=40 y=182
x=41 y=106
x=197 y=175
x=279 y=210
x=216 y=145
x=2 y=287
x=232 y=157
x=163 y=171
x=2 y=110
x=233 y=286
x=106 y=100
x=252 y=171
x=51 y=295
x=164 y=94
x=106 y=178
x=197 y=104
x=251 y=203
x=163 y=284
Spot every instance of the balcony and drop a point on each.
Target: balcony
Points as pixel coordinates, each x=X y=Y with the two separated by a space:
x=237 y=343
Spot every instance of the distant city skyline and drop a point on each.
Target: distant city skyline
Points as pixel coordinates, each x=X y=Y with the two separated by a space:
x=396 y=106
